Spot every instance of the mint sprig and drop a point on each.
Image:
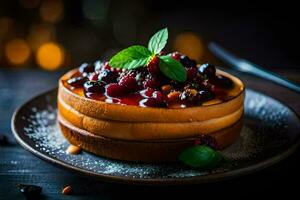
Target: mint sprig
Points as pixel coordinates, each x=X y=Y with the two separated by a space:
x=130 y=58
x=201 y=156
x=139 y=56
x=158 y=41
x=172 y=68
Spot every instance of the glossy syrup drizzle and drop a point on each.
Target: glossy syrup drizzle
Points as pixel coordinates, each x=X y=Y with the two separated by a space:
x=139 y=98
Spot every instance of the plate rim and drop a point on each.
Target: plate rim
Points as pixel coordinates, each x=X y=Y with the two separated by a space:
x=219 y=176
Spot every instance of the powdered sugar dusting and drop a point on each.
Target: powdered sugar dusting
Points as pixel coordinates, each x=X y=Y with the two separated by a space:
x=262 y=117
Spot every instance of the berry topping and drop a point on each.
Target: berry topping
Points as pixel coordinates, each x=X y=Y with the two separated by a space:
x=184 y=60
x=158 y=96
x=193 y=63
x=93 y=87
x=129 y=83
x=177 y=85
x=187 y=62
x=108 y=76
x=151 y=102
x=147 y=92
x=76 y=81
x=106 y=66
x=222 y=82
x=189 y=95
x=114 y=90
x=148 y=86
x=153 y=65
x=205 y=95
x=162 y=53
x=151 y=83
x=218 y=90
x=93 y=77
x=176 y=56
x=86 y=68
x=208 y=69
x=98 y=65
x=191 y=73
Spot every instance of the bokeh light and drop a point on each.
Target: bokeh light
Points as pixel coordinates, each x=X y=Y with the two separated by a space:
x=6 y=25
x=190 y=44
x=40 y=34
x=50 y=56
x=95 y=10
x=17 y=51
x=29 y=4
x=52 y=10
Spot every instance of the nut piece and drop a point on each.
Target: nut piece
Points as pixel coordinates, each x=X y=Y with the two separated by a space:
x=72 y=149
x=173 y=96
x=166 y=89
x=67 y=190
x=192 y=91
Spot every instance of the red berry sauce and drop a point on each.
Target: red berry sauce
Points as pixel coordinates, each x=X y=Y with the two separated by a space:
x=147 y=86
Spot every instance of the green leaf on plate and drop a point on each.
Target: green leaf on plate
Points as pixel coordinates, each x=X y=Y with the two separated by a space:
x=201 y=156
x=131 y=58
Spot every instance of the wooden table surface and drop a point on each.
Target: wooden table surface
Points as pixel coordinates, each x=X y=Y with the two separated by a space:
x=19 y=166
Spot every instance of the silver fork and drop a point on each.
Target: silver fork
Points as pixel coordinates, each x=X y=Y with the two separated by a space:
x=250 y=68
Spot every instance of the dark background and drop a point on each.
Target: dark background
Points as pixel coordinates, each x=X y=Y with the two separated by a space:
x=266 y=32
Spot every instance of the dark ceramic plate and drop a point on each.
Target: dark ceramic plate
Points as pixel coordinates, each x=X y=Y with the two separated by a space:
x=270 y=134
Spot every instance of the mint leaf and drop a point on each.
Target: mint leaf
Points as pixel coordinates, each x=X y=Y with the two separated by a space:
x=130 y=58
x=201 y=156
x=158 y=41
x=172 y=68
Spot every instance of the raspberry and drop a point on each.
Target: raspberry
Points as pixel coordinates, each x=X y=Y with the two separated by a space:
x=93 y=77
x=153 y=65
x=176 y=56
x=191 y=73
x=151 y=102
x=114 y=90
x=128 y=83
x=151 y=83
x=158 y=96
x=147 y=92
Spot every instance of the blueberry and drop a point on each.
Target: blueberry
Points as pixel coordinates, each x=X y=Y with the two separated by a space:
x=76 y=81
x=208 y=69
x=193 y=63
x=185 y=60
x=108 y=76
x=94 y=87
x=86 y=68
x=205 y=95
x=222 y=82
